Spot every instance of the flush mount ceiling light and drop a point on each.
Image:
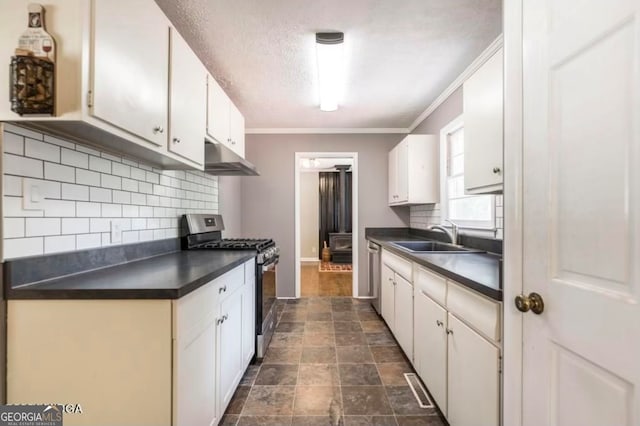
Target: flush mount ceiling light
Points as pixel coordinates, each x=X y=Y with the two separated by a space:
x=330 y=53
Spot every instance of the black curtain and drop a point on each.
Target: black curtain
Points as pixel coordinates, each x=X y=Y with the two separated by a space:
x=330 y=204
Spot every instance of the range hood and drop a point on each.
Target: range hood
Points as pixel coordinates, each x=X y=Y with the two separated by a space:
x=221 y=161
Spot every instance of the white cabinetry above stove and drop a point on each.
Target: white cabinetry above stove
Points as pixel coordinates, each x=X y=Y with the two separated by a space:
x=413 y=171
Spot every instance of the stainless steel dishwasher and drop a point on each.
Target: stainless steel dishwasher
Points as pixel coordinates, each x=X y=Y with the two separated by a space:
x=374 y=274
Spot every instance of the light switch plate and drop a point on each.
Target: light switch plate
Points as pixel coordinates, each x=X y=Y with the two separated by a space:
x=32 y=195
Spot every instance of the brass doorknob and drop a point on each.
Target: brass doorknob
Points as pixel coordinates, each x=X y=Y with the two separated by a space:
x=533 y=302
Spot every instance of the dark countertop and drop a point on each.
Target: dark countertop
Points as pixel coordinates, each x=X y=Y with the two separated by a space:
x=477 y=271
x=166 y=276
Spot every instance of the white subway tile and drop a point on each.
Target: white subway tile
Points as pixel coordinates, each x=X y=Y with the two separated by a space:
x=153 y=200
x=121 y=170
x=59 y=244
x=13 y=185
x=121 y=197
x=74 y=158
x=21 y=247
x=59 y=208
x=59 y=172
x=130 y=211
x=22 y=166
x=130 y=237
x=146 y=211
x=111 y=210
x=130 y=162
x=100 y=225
x=138 y=174
x=139 y=199
x=12 y=143
x=145 y=167
x=110 y=157
x=13 y=227
x=59 y=142
x=153 y=177
x=165 y=180
x=87 y=241
x=41 y=150
x=75 y=225
x=172 y=233
x=22 y=131
x=100 y=195
x=106 y=239
x=159 y=234
x=168 y=223
x=125 y=224
x=129 y=185
x=87 y=150
x=138 y=224
x=75 y=192
x=87 y=177
x=146 y=235
x=99 y=164
x=166 y=202
x=153 y=223
x=36 y=227
x=88 y=209
x=146 y=188
x=13 y=208
x=109 y=181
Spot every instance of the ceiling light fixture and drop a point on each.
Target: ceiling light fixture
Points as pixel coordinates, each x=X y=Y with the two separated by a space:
x=330 y=53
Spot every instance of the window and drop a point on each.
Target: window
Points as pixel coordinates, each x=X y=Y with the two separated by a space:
x=471 y=211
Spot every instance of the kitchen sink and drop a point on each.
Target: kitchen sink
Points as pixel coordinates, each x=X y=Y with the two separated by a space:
x=430 y=247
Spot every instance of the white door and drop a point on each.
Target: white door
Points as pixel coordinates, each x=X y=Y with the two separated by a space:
x=387 y=287
x=473 y=391
x=403 y=322
x=581 y=240
x=188 y=101
x=430 y=346
x=130 y=66
x=217 y=112
x=229 y=348
x=393 y=175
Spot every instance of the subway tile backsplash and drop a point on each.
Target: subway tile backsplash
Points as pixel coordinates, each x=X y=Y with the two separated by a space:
x=423 y=216
x=85 y=190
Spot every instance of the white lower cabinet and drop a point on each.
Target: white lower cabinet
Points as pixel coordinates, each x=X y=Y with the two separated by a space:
x=404 y=315
x=229 y=347
x=474 y=377
x=387 y=295
x=430 y=346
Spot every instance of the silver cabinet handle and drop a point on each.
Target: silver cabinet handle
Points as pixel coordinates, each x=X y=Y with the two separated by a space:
x=449 y=331
x=439 y=323
x=219 y=321
x=225 y=317
x=221 y=289
x=176 y=140
x=233 y=142
x=496 y=170
x=158 y=129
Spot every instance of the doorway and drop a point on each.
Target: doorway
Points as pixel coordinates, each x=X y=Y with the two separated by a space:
x=326 y=216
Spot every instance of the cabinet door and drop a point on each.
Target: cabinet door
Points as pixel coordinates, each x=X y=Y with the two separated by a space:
x=195 y=365
x=237 y=130
x=218 y=104
x=403 y=321
x=393 y=178
x=474 y=378
x=387 y=302
x=430 y=346
x=229 y=348
x=402 y=172
x=248 y=323
x=130 y=65
x=188 y=110
x=483 y=118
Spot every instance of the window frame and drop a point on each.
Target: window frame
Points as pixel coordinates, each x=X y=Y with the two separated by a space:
x=454 y=125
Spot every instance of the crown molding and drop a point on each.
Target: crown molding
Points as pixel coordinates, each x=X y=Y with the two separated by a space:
x=455 y=85
x=324 y=130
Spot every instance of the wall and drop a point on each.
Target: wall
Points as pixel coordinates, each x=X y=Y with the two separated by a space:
x=230 y=205
x=309 y=214
x=423 y=216
x=268 y=199
x=85 y=191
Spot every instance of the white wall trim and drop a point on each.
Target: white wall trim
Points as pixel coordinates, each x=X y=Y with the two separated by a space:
x=468 y=72
x=451 y=127
x=324 y=130
x=354 y=220
x=310 y=259
x=513 y=225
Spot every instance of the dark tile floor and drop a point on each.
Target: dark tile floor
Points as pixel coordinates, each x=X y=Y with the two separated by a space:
x=332 y=361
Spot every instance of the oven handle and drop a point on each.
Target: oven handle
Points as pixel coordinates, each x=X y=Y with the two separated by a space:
x=271 y=265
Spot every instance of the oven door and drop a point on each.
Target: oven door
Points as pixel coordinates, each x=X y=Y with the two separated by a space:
x=268 y=289
x=265 y=305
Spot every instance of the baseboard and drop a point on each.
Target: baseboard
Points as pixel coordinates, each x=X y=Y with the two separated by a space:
x=364 y=297
x=286 y=298
x=309 y=260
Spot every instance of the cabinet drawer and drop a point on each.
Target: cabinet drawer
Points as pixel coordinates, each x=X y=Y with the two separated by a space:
x=230 y=282
x=479 y=312
x=431 y=284
x=399 y=265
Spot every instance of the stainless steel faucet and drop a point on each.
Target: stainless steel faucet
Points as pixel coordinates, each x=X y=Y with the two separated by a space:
x=453 y=234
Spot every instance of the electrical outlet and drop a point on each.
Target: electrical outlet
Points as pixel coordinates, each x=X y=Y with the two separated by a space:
x=32 y=197
x=116 y=232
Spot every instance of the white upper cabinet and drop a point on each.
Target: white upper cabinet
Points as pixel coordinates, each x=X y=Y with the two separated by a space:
x=188 y=101
x=483 y=128
x=130 y=64
x=117 y=86
x=413 y=171
x=225 y=122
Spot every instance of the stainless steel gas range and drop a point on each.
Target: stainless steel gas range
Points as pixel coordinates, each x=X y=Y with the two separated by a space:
x=205 y=233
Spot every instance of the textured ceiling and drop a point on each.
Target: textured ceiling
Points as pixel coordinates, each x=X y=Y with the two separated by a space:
x=401 y=54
